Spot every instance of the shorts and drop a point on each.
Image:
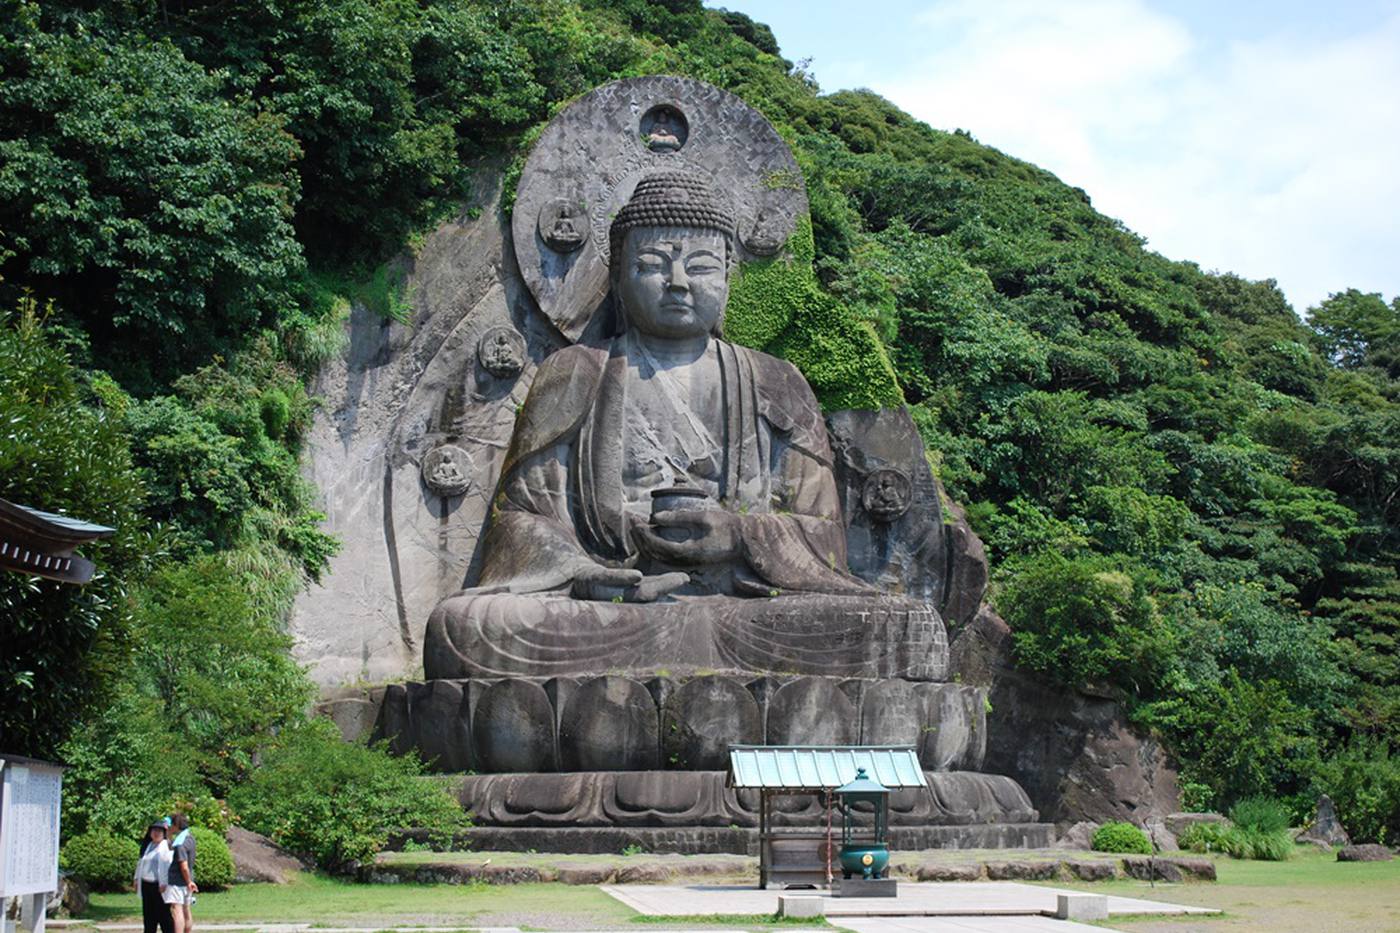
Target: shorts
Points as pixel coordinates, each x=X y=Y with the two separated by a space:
x=177 y=894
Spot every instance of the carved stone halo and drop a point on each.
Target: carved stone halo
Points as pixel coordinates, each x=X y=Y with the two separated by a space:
x=594 y=152
x=563 y=224
x=501 y=352
x=886 y=494
x=447 y=470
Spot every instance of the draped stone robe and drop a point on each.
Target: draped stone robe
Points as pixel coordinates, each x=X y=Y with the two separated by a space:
x=577 y=477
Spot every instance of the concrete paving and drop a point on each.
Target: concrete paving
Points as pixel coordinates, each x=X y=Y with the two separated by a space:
x=964 y=925
x=940 y=899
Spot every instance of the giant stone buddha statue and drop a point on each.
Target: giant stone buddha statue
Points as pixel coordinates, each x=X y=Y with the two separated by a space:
x=665 y=571
x=666 y=490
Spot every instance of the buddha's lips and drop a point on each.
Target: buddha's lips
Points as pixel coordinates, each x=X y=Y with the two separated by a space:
x=676 y=306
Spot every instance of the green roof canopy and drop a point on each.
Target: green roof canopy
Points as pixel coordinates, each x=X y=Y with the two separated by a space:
x=822 y=767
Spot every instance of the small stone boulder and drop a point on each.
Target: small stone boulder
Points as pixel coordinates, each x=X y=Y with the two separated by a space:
x=257 y=858
x=1090 y=869
x=1326 y=830
x=1200 y=869
x=643 y=874
x=1366 y=852
x=585 y=874
x=954 y=872
x=1178 y=823
x=1171 y=870
x=70 y=900
x=510 y=874
x=1152 y=869
x=1022 y=871
x=1078 y=836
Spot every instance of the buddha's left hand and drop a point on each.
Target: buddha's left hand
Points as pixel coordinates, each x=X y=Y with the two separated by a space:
x=713 y=536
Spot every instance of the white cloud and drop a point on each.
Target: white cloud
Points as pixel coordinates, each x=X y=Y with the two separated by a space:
x=1273 y=158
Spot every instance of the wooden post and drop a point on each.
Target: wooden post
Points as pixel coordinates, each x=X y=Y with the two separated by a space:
x=828 y=795
x=763 y=839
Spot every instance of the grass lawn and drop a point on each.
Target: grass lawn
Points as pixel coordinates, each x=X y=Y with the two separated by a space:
x=328 y=901
x=1310 y=893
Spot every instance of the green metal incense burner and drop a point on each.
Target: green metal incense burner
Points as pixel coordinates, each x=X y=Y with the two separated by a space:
x=864 y=854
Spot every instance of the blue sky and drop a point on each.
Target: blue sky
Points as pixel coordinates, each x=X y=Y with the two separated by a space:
x=1250 y=137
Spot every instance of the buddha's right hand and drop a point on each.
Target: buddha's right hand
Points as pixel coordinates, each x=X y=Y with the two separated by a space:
x=597 y=582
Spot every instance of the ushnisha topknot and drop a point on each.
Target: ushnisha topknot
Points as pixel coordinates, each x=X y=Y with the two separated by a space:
x=671 y=199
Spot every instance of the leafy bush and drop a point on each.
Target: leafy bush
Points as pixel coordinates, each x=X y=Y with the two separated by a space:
x=1205 y=837
x=213 y=861
x=1245 y=843
x=1121 y=837
x=1085 y=620
x=101 y=858
x=126 y=767
x=1363 y=781
x=1260 y=814
x=1258 y=829
x=337 y=802
x=221 y=671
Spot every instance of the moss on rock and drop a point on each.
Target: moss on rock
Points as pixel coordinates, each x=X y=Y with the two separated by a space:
x=776 y=305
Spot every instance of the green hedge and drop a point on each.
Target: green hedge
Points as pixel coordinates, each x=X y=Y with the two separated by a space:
x=1121 y=837
x=213 y=863
x=102 y=859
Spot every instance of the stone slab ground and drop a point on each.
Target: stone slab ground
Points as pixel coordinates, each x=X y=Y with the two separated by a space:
x=965 y=925
x=929 y=865
x=947 y=899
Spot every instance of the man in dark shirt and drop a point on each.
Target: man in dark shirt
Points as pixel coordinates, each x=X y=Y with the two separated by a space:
x=180 y=891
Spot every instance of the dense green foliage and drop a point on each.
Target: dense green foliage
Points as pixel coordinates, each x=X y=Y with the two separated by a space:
x=1121 y=837
x=64 y=449
x=213 y=862
x=1363 y=780
x=337 y=802
x=1189 y=495
x=102 y=859
x=1204 y=837
x=1258 y=829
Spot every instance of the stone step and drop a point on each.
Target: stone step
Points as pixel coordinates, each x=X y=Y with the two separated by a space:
x=703 y=840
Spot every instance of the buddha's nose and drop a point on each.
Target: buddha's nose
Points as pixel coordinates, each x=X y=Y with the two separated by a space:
x=678 y=280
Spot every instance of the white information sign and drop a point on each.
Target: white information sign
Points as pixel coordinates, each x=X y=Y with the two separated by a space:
x=30 y=796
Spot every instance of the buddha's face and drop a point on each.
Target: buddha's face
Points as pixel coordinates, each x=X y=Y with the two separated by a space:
x=674 y=281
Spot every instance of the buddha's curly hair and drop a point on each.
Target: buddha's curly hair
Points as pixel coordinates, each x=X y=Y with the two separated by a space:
x=672 y=199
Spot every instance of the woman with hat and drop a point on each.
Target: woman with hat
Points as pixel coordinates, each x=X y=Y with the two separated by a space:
x=152 y=871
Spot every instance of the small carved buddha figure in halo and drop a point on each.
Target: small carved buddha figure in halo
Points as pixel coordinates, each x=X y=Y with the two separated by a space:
x=663 y=137
x=661 y=463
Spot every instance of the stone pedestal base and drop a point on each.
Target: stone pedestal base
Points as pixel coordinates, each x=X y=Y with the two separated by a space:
x=700 y=798
x=866 y=887
x=709 y=840
x=666 y=721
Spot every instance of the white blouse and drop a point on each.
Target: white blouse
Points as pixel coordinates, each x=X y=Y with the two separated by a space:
x=154 y=865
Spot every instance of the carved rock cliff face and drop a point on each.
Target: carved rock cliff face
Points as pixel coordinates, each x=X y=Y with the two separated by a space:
x=406 y=451
x=1075 y=755
x=410 y=412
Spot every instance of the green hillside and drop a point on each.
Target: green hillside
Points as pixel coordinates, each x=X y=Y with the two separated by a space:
x=1190 y=495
